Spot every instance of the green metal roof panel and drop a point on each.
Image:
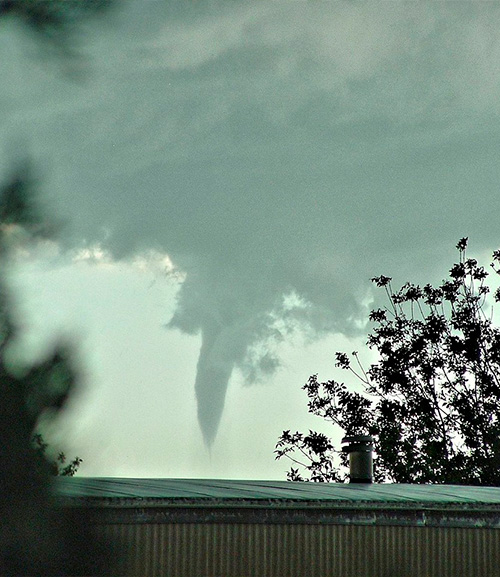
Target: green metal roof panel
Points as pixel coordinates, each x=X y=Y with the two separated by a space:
x=205 y=489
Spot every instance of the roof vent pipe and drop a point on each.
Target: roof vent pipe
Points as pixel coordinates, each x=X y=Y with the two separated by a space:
x=360 y=450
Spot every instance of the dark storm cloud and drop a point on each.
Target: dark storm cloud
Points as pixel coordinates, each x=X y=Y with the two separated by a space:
x=272 y=150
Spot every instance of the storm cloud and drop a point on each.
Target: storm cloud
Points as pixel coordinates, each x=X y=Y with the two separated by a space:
x=281 y=154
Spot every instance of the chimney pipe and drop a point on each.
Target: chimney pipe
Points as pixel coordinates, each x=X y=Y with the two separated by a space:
x=359 y=448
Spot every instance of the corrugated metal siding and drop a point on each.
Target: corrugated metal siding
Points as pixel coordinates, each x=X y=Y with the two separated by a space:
x=259 y=550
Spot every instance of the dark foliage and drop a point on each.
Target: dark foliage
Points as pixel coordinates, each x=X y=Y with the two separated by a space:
x=51 y=18
x=56 y=26
x=58 y=466
x=432 y=401
x=36 y=538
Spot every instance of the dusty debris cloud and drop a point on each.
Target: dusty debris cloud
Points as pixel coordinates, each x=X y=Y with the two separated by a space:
x=279 y=154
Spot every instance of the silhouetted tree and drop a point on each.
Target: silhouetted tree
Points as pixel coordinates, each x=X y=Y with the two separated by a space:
x=58 y=466
x=36 y=536
x=432 y=401
x=52 y=19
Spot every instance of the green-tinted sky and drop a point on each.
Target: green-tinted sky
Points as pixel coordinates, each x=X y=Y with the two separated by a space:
x=281 y=154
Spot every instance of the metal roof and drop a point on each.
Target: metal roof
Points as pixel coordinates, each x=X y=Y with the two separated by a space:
x=206 y=490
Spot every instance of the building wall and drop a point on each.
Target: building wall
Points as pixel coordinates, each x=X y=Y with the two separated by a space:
x=305 y=550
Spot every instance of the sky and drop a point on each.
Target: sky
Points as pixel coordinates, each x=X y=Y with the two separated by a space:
x=230 y=176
